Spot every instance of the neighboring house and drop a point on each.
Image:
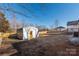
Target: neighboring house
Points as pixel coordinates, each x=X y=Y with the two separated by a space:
x=28 y=33
x=60 y=28
x=73 y=26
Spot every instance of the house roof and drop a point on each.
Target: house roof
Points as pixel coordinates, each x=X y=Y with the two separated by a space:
x=73 y=22
x=60 y=27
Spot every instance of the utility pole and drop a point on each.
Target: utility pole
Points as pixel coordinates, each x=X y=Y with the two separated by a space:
x=14 y=22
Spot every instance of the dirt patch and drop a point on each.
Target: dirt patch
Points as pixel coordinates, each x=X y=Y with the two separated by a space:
x=55 y=45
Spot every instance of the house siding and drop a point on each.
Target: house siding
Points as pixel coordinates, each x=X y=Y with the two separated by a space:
x=73 y=28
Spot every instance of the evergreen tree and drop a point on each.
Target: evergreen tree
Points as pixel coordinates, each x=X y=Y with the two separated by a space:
x=4 y=24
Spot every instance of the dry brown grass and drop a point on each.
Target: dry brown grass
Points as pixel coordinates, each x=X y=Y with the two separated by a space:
x=51 y=45
x=46 y=46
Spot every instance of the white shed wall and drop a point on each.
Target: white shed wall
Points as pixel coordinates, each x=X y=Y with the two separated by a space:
x=27 y=30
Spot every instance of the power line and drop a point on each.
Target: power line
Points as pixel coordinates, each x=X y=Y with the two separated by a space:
x=32 y=13
x=8 y=9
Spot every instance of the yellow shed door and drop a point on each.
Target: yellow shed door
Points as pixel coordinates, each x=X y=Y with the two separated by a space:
x=30 y=35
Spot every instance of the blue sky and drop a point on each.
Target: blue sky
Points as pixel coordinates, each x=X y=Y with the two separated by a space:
x=44 y=14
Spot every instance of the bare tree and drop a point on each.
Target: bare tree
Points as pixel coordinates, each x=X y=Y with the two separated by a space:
x=56 y=23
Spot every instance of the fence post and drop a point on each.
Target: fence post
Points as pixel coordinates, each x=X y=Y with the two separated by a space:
x=0 y=39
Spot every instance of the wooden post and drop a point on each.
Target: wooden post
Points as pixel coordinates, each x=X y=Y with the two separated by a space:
x=0 y=42
x=78 y=29
x=1 y=39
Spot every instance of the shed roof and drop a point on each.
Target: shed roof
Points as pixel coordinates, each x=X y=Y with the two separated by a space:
x=60 y=27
